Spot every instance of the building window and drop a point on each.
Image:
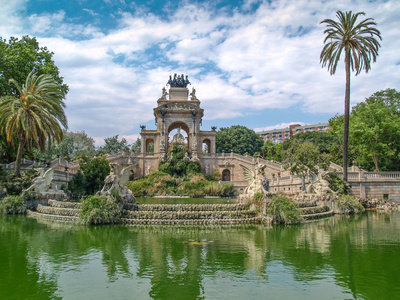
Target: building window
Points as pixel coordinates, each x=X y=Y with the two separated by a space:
x=226 y=175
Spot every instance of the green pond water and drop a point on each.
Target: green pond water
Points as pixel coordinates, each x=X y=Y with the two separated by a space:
x=342 y=257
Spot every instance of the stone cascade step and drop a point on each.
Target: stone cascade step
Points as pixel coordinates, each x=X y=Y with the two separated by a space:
x=254 y=220
x=303 y=204
x=189 y=215
x=310 y=210
x=318 y=215
x=313 y=210
x=187 y=207
x=51 y=210
x=45 y=216
x=64 y=204
x=184 y=214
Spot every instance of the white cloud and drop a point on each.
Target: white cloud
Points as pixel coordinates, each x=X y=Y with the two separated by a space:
x=277 y=126
x=238 y=62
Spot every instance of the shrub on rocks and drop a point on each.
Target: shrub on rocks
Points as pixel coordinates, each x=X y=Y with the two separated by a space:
x=346 y=204
x=98 y=209
x=283 y=210
x=13 y=205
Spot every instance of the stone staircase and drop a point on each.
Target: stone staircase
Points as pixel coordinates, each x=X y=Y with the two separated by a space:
x=311 y=210
x=179 y=214
x=57 y=210
x=189 y=214
x=157 y=214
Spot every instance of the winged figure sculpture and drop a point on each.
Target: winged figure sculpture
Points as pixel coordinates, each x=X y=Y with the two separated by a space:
x=116 y=181
x=257 y=182
x=42 y=183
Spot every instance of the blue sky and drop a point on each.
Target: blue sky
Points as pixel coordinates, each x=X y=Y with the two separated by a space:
x=253 y=63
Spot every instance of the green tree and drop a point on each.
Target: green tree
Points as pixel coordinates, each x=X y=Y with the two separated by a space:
x=136 y=146
x=20 y=57
x=35 y=117
x=302 y=158
x=176 y=165
x=73 y=145
x=113 y=145
x=7 y=150
x=95 y=171
x=336 y=125
x=324 y=140
x=358 y=40
x=238 y=139
x=375 y=130
x=272 y=151
x=78 y=185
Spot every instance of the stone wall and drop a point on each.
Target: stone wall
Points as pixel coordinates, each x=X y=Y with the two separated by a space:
x=366 y=185
x=381 y=190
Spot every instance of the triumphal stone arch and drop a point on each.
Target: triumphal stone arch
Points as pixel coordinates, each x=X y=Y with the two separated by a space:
x=178 y=109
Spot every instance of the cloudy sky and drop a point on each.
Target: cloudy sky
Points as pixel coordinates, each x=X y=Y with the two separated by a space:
x=253 y=63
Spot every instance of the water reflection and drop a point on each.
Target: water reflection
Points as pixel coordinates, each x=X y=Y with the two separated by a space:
x=345 y=256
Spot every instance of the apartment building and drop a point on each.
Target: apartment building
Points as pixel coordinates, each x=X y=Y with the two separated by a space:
x=278 y=136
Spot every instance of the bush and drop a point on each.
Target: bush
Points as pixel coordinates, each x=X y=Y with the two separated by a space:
x=13 y=205
x=15 y=185
x=283 y=210
x=176 y=164
x=77 y=186
x=98 y=209
x=196 y=193
x=227 y=190
x=337 y=184
x=258 y=199
x=193 y=167
x=346 y=204
x=155 y=183
x=95 y=171
x=217 y=189
x=140 y=188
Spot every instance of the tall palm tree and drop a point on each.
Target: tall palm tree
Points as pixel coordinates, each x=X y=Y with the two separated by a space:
x=360 y=45
x=36 y=116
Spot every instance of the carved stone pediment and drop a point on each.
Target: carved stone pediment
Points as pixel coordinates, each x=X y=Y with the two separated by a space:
x=179 y=107
x=226 y=164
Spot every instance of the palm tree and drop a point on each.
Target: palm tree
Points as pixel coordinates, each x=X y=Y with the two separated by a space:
x=358 y=40
x=36 y=116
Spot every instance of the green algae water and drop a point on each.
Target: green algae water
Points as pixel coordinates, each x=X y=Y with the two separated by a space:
x=343 y=257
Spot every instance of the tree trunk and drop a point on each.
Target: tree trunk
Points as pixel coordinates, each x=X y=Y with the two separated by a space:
x=375 y=158
x=303 y=183
x=346 y=114
x=17 y=169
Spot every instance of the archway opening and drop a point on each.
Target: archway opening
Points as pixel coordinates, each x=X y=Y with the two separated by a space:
x=150 y=146
x=178 y=132
x=206 y=147
x=226 y=175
